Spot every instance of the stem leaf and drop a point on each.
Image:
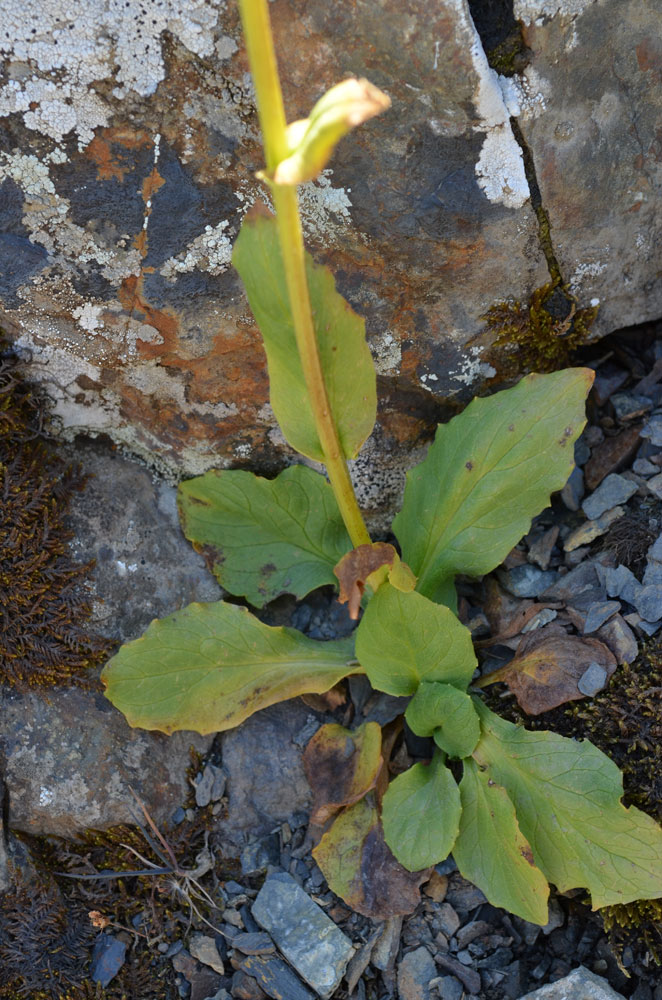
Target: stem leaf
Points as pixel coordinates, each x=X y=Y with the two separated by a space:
x=345 y=356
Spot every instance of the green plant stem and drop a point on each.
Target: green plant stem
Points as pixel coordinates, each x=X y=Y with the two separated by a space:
x=262 y=59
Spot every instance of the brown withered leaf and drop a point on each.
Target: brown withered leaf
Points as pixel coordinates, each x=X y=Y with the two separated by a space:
x=359 y=866
x=547 y=666
x=341 y=766
x=327 y=702
x=354 y=569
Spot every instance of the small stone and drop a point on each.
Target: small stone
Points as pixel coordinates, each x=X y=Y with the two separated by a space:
x=655 y=485
x=448 y=919
x=644 y=468
x=259 y=854
x=543 y=617
x=107 y=958
x=652 y=431
x=469 y=978
x=649 y=628
x=599 y=613
x=387 y=945
x=592 y=435
x=256 y=943
x=204 y=949
x=628 y=406
x=527 y=580
x=436 y=887
x=579 y=985
x=308 y=939
x=621 y=582
x=613 y=454
x=463 y=895
x=540 y=552
x=245 y=987
x=619 y=637
x=608 y=380
x=648 y=602
x=276 y=978
x=465 y=957
x=471 y=931
x=582 y=450
x=591 y=530
x=592 y=680
x=555 y=917
x=611 y=492
x=573 y=491
x=654 y=553
x=415 y=972
x=450 y=988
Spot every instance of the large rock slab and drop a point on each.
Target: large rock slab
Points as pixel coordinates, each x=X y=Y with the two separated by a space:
x=581 y=984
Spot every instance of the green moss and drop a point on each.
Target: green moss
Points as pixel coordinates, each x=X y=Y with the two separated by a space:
x=511 y=55
x=43 y=602
x=539 y=335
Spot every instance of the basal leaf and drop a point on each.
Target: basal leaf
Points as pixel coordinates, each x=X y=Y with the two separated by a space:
x=492 y=852
x=210 y=666
x=567 y=797
x=341 y=766
x=359 y=867
x=448 y=714
x=404 y=639
x=421 y=814
x=488 y=472
x=265 y=537
x=347 y=365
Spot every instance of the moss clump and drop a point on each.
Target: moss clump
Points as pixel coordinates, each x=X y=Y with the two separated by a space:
x=539 y=335
x=638 y=925
x=43 y=604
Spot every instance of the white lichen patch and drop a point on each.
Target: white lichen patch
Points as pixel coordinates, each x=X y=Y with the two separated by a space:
x=472 y=368
x=69 y=46
x=211 y=251
x=525 y=95
x=537 y=11
x=89 y=317
x=386 y=354
x=324 y=209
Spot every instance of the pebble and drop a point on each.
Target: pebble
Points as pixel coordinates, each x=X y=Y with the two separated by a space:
x=608 y=380
x=275 y=978
x=573 y=491
x=610 y=456
x=256 y=943
x=543 y=617
x=210 y=785
x=592 y=680
x=648 y=602
x=540 y=551
x=591 y=530
x=204 y=949
x=611 y=492
x=415 y=973
x=308 y=939
x=653 y=430
x=387 y=945
x=107 y=958
x=598 y=613
x=619 y=637
x=579 y=985
x=448 y=919
x=621 y=582
x=436 y=887
x=527 y=580
x=628 y=405
x=449 y=988
x=655 y=485
x=469 y=978
x=644 y=468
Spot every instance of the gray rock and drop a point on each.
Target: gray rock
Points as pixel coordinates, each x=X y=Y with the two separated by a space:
x=255 y=943
x=648 y=602
x=655 y=484
x=621 y=582
x=209 y=786
x=653 y=430
x=386 y=948
x=450 y=988
x=573 y=491
x=72 y=759
x=583 y=449
x=644 y=468
x=612 y=491
x=654 y=553
x=597 y=614
x=266 y=782
x=448 y=919
x=307 y=938
x=579 y=985
x=415 y=973
x=650 y=628
x=629 y=405
x=204 y=949
x=592 y=680
x=527 y=580
x=590 y=530
x=107 y=958
x=619 y=637
x=543 y=617
x=275 y=977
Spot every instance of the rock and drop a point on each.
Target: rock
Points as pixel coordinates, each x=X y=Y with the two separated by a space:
x=592 y=680
x=107 y=958
x=209 y=785
x=307 y=938
x=581 y=587
x=540 y=552
x=573 y=491
x=629 y=405
x=448 y=919
x=256 y=943
x=463 y=895
x=591 y=530
x=644 y=468
x=72 y=759
x=472 y=930
x=275 y=978
x=126 y=520
x=257 y=855
x=542 y=618
x=266 y=782
x=204 y=982
x=612 y=454
x=450 y=988
x=555 y=917
x=608 y=380
x=652 y=431
x=245 y=987
x=469 y=978
x=648 y=602
x=598 y=613
x=613 y=490
x=415 y=972
x=526 y=580
x=436 y=887
x=621 y=582
x=618 y=636
x=579 y=985
x=655 y=485
x=204 y=949
x=386 y=948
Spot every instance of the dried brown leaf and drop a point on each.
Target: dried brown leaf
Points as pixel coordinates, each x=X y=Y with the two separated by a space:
x=341 y=766
x=354 y=569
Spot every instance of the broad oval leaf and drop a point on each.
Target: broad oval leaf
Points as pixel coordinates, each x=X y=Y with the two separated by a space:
x=265 y=537
x=492 y=852
x=360 y=868
x=341 y=766
x=210 y=666
x=490 y=470
x=404 y=639
x=421 y=814
x=345 y=357
x=448 y=714
x=567 y=797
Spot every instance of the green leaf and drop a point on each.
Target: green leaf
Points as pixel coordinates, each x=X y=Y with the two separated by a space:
x=442 y=711
x=404 y=639
x=492 y=852
x=489 y=471
x=210 y=666
x=421 y=814
x=567 y=798
x=347 y=365
x=265 y=536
